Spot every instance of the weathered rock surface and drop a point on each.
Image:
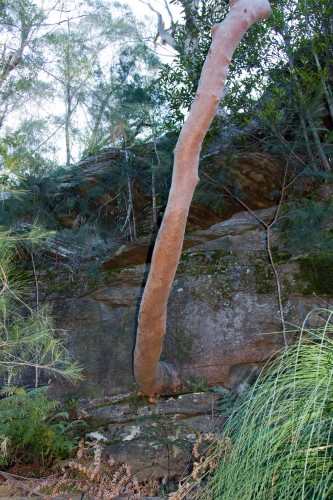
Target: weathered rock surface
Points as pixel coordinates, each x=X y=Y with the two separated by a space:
x=155 y=439
x=223 y=314
x=257 y=178
x=140 y=251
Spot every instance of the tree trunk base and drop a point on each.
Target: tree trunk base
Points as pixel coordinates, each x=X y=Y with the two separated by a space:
x=168 y=381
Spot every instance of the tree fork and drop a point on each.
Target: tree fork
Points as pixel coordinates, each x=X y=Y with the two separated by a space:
x=154 y=376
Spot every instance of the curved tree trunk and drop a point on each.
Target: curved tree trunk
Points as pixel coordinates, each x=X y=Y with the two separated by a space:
x=154 y=376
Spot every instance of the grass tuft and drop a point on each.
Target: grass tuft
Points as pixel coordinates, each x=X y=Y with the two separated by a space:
x=281 y=437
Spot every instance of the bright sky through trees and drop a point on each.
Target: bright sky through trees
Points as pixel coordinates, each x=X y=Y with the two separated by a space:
x=68 y=16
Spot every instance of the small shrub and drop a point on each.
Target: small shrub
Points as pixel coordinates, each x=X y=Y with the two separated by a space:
x=31 y=428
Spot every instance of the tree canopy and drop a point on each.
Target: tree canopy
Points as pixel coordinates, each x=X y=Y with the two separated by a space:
x=78 y=80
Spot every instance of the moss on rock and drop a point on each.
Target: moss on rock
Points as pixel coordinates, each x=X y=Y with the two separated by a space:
x=316 y=272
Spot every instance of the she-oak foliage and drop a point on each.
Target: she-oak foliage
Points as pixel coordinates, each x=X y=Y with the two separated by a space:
x=27 y=334
x=30 y=428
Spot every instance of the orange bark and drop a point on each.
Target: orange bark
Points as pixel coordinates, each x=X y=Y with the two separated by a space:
x=154 y=376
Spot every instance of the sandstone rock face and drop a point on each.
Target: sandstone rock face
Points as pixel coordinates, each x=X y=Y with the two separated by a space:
x=257 y=178
x=156 y=440
x=223 y=315
x=101 y=329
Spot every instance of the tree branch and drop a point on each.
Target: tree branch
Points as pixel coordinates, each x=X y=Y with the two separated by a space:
x=162 y=33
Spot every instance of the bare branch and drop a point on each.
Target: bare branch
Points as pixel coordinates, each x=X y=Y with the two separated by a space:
x=162 y=33
x=168 y=9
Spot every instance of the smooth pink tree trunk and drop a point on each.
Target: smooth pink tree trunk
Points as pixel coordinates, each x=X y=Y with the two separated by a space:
x=152 y=375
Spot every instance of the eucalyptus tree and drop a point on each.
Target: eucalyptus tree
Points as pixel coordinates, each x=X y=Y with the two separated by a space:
x=21 y=22
x=49 y=57
x=89 y=54
x=71 y=71
x=122 y=93
x=191 y=39
x=25 y=83
x=153 y=375
x=121 y=111
x=286 y=59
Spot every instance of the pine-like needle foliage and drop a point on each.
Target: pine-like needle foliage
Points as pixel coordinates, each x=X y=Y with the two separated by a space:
x=282 y=436
x=27 y=336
